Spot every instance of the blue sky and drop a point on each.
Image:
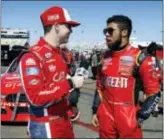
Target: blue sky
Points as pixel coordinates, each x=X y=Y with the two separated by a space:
x=146 y=17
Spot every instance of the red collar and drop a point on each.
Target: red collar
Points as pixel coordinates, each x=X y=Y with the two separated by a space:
x=42 y=42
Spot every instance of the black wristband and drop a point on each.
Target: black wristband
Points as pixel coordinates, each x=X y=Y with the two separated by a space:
x=74 y=97
x=96 y=102
x=94 y=110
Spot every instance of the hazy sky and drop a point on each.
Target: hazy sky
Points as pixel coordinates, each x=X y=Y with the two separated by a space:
x=146 y=17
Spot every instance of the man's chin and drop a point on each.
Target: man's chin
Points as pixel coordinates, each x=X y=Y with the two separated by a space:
x=65 y=41
x=109 y=46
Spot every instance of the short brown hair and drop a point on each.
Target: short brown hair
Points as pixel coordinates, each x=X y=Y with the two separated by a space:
x=47 y=28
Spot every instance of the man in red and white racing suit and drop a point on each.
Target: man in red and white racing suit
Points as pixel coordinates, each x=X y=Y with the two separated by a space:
x=43 y=74
x=118 y=115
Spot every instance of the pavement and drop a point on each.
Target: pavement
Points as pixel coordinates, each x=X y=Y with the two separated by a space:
x=152 y=128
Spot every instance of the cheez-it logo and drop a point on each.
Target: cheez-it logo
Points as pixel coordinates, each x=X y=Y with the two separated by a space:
x=117 y=82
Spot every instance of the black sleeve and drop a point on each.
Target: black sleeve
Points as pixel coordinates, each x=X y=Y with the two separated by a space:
x=96 y=102
x=148 y=106
x=74 y=97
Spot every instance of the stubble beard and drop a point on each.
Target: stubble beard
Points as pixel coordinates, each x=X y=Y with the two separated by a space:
x=116 y=45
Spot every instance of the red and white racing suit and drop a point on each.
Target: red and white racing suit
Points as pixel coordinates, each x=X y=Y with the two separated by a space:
x=43 y=74
x=116 y=84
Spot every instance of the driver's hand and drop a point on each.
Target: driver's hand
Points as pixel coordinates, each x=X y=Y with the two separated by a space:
x=95 y=121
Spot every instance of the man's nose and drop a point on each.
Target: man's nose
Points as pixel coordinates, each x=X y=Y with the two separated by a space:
x=107 y=34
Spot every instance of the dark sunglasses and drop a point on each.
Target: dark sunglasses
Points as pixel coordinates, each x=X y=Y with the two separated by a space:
x=67 y=25
x=108 y=30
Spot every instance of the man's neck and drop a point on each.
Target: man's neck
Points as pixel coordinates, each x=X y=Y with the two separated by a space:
x=51 y=41
x=122 y=45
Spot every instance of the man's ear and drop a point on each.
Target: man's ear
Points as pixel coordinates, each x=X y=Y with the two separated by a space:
x=125 y=33
x=56 y=27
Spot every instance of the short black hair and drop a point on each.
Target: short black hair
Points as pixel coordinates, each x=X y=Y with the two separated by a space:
x=47 y=28
x=123 y=22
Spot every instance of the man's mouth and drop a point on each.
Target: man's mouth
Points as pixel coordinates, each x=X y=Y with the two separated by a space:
x=108 y=41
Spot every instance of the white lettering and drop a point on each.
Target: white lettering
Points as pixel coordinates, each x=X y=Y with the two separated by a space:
x=12 y=85
x=59 y=76
x=53 y=17
x=112 y=82
x=118 y=82
x=13 y=104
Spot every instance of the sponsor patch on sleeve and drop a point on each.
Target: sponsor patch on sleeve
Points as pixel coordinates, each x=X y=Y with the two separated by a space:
x=32 y=71
x=34 y=82
x=48 y=55
x=30 y=61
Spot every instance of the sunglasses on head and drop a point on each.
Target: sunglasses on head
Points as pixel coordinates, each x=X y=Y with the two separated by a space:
x=108 y=30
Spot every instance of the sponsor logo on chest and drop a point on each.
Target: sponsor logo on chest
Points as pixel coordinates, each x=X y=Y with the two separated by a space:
x=126 y=65
x=117 y=82
x=126 y=60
